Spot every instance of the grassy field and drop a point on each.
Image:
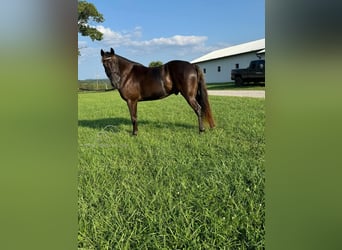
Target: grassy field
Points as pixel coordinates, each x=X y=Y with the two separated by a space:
x=170 y=187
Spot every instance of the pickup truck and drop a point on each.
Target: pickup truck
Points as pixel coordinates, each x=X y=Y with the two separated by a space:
x=254 y=73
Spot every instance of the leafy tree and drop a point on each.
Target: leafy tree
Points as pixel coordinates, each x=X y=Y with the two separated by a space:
x=155 y=64
x=88 y=13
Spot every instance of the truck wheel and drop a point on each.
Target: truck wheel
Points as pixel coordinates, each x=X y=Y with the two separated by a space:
x=238 y=80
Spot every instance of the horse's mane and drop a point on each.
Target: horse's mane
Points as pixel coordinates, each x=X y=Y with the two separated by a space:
x=130 y=61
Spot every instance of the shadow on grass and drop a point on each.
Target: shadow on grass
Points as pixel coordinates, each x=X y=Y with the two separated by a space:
x=112 y=124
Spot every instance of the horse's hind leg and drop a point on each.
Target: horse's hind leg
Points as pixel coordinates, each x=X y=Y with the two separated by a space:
x=132 y=106
x=197 y=108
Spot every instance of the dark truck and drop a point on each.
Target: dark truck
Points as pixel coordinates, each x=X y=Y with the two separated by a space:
x=254 y=73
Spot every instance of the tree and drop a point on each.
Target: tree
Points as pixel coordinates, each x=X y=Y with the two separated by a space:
x=88 y=13
x=155 y=64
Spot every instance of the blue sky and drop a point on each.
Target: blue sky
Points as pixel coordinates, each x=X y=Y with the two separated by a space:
x=152 y=30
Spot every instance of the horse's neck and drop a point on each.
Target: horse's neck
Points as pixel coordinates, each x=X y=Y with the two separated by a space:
x=123 y=59
x=126 y=65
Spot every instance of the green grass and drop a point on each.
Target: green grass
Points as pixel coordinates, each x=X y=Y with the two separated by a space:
x=233 y=86
x=170 y=187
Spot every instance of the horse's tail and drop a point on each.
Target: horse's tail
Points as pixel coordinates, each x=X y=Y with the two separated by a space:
x=202 y=98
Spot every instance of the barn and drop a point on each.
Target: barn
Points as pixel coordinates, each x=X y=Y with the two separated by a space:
x=217 y=64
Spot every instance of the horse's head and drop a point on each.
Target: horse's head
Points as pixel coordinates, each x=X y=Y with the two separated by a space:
x=111 y=66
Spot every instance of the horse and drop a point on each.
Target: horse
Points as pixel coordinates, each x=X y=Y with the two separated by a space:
x=136 y=83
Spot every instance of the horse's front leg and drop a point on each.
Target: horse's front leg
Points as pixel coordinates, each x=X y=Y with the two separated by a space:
x=132 y=106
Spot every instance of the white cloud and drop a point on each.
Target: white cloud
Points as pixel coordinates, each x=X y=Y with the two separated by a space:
x=116 y=39
x=137 y=32
x=176 y=40
x=111 y=37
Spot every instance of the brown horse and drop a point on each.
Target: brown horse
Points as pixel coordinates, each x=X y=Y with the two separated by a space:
x=136 y=82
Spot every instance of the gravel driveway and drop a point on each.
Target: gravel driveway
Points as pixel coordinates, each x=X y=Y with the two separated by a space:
x=238 y=93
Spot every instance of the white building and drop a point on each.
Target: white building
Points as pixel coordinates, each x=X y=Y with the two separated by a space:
x=217 y=65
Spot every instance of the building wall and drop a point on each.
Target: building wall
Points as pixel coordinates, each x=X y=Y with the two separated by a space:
x=211 y=68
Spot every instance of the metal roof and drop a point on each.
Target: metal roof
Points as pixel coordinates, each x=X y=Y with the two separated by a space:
x=257 y=45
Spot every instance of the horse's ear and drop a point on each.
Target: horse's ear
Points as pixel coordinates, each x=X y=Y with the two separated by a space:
x=102 y=52
x=112 y=51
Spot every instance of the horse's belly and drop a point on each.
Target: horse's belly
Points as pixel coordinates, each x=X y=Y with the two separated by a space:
x=153 y=96
x=154 y=92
